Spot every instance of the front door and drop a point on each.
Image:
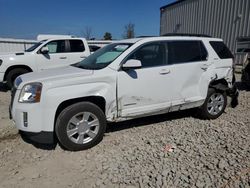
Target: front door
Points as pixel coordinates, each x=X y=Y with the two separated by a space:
x=146 y=90
x=56 y=57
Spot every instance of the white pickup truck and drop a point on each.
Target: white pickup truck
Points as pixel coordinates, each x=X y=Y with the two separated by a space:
x=57 y=51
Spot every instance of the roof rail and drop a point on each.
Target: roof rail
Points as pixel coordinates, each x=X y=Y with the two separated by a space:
x=144 y=36
x=186 y=34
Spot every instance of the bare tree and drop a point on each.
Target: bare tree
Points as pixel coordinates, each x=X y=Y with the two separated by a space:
x=129 y=31
x=87 y=33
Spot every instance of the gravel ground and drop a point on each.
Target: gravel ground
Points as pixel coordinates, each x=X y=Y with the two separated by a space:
x=171 y=150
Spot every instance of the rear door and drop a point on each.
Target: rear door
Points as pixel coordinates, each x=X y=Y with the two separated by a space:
x=78 y=50
x=189 y=64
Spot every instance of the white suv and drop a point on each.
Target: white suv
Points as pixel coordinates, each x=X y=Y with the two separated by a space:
x=124 y=80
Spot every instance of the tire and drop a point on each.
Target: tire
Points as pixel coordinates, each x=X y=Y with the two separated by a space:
x=73 y=133
x=13 y=74
x=210 y=109
x=245 y=76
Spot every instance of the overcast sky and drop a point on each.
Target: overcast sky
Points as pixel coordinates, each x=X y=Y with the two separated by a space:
x=28 y=18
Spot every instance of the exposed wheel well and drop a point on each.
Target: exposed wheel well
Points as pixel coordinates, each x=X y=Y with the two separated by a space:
x=220 y=84
x=99 y=101
x=15 y=67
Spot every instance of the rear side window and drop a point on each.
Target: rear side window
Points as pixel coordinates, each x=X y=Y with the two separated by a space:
x=221 y=49
x=186 y=51
x=76 y=46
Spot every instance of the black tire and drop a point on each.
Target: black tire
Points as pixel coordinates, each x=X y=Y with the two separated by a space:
x=204 y=109
x=63 y=121
x=13 y=74
x=245 y=76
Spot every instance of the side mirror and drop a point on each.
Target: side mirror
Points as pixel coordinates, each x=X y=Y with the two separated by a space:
x=132 y=64
x=44 y=50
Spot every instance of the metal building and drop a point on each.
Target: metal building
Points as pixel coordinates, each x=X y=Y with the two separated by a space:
x=226 y=19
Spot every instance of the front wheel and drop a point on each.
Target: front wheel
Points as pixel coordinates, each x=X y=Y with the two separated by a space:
x=13 y=74
x=214 y=104
x=80 y=126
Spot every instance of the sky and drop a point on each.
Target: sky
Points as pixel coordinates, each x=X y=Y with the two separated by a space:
x=25 y=19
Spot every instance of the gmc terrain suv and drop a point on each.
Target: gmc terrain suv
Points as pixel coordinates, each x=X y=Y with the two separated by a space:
x=124 y=80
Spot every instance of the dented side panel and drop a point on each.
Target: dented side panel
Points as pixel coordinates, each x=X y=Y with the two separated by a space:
x=143 y=91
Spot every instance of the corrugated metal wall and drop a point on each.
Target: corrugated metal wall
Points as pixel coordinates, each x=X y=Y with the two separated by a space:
x=226 y=19
x=14 y=45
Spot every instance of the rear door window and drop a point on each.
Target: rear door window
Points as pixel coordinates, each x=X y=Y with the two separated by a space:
x=76 y=46
x=221 y=49
x=186 y=51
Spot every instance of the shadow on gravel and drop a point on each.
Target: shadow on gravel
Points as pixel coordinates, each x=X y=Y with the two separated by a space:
x=39 y=145
x=3 y=87
x=113 y=127
x=9 y=137
x=242 y=87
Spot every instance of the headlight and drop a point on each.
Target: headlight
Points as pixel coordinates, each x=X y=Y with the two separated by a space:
x=17 y=82
x=31 y=93
x=1 y=61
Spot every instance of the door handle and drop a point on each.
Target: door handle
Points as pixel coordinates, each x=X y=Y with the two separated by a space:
x=83 y=56
x=165 y=71
x=63 y=57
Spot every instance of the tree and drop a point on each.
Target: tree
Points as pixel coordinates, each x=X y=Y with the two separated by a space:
x=87 y=33
x=129 y=31
x=107 y=36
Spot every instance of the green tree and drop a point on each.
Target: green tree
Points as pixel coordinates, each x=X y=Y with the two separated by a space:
x=107 y=36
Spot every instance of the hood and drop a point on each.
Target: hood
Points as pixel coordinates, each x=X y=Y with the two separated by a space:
x=55 y=74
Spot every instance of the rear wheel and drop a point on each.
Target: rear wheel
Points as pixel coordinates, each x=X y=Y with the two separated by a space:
x=245 y=76
x=13 y=74
x=214 y=104
x=80 y=126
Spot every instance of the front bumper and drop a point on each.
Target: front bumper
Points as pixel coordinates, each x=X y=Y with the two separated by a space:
x=41 y=137
x=29 y=120
x=30 y=117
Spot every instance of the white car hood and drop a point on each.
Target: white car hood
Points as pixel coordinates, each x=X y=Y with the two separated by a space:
x=68 y=72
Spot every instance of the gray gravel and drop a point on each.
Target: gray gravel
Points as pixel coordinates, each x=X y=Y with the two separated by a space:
x=171 y=150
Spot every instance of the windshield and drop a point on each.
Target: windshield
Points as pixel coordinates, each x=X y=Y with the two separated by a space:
x=34 y=46
x=103 y=57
